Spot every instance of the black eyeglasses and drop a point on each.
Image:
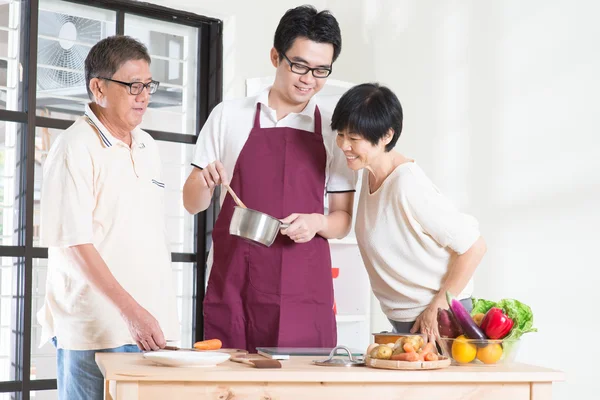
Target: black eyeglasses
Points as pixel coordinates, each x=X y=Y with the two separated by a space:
x=302 y=69
x=136 y=88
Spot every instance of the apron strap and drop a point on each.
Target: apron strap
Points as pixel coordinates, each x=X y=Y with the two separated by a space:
x=318 y=127
x=257 y=117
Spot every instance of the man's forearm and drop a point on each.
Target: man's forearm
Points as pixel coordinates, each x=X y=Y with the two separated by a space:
x=462 y=269
x=93 y=267
x=336 y=225
x=196 y=196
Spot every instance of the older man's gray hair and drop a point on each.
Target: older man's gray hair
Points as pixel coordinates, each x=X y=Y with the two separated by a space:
x=109 y=54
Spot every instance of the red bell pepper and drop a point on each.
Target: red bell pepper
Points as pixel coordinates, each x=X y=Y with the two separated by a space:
x=496 y=324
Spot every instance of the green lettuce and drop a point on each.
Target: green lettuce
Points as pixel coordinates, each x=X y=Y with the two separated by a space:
x=519 y=312
x=481 y=306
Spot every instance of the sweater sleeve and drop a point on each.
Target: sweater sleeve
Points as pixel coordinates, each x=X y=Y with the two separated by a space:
x=439 y=218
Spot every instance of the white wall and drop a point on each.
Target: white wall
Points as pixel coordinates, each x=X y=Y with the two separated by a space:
x=501 y=105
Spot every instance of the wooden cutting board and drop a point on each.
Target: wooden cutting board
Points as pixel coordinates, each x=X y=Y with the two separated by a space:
x=443 y=362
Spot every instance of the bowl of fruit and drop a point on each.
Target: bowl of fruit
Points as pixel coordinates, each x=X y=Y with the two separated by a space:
x=488 y=335
x=464 y=351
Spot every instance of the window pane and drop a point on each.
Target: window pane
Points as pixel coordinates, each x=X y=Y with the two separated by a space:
x=44 y=137
x=44 y=395
x=175 y=169
x=11 y=87
x=184 y=278
x=43 y=359
x=11 y=274
x=10 y=139
x=9 y=396
x=174 y=50
x=66 y=34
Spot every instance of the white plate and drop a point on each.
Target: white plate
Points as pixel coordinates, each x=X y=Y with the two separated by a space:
x=182 y=358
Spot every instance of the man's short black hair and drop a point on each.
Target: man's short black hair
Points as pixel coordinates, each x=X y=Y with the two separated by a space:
x=306 y=22
x=369 y=110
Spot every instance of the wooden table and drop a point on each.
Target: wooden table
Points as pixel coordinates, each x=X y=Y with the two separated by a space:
x=129 y=376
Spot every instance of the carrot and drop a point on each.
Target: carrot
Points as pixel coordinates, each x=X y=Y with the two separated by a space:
x=409 y=348
x=412 y=356
x=428 y=348
x=211 y=344
x=431 y=357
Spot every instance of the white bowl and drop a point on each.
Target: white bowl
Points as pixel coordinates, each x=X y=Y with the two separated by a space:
x=182 y=358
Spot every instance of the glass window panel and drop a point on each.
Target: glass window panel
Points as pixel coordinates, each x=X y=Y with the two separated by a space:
x=173 y=49
x=43 y=359
x=45 y=395
x=10 y=139
x=11 y=269
x=11 y=87
x=175 y=169
x=184 y=278
x=66 y=34
x=9 y=396
x=44 y=138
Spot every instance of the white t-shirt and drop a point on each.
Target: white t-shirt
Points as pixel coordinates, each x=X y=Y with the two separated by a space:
x=228 y=127
x=405 y=231
x=99 y=190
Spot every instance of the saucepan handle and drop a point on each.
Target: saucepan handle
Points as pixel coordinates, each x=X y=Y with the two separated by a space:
x=284 y=225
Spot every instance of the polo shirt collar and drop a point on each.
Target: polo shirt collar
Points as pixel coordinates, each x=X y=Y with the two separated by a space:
x=104 y=133
x=108 y=139
x=309 y=110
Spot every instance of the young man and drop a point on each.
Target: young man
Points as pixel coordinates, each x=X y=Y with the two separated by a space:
x=281 y=156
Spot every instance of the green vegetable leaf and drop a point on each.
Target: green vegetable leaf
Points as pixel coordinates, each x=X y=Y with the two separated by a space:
x=521 y=314
x=481 y=306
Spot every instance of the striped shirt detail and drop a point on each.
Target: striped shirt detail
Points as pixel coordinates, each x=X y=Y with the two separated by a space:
x=103 y=137
x=157 y=183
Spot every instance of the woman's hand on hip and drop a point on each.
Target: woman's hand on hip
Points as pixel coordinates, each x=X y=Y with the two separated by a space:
x=427 y=323
x=303 y=227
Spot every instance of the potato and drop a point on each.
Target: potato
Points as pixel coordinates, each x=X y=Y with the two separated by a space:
x=370 y=348
x=415 y=340
x=381 y=352
x=390 y=345
x=397 y=350
x=398 y=343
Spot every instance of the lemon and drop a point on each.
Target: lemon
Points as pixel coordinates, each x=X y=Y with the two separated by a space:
x=490 y=354
x=463 y=351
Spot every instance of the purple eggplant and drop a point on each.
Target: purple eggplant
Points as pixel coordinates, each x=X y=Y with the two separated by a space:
x=469 y=327
x=447 y=324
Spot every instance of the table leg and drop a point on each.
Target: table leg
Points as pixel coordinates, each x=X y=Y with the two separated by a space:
x=541 y=390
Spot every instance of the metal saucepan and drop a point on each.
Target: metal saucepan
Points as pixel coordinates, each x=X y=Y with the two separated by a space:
x=254 y=225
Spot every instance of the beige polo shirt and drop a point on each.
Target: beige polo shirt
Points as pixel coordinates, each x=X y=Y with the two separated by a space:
x=99 y=190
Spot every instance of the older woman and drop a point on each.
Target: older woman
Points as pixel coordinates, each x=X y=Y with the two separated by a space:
x=415 y=245
x=102 y=220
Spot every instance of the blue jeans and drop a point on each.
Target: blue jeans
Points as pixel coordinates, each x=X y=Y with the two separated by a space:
x=78 y=375
x=405 y=327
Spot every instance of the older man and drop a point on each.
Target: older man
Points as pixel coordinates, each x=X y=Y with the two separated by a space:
x=109 y=285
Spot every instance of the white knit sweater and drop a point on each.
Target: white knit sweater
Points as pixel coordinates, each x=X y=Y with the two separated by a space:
x=408 y=232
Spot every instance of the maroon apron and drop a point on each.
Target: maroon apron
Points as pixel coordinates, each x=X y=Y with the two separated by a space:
x=280 y=295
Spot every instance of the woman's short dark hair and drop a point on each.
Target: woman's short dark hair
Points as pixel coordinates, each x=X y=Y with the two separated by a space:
x=306 y=22
x=369 y=110
x=109 y=54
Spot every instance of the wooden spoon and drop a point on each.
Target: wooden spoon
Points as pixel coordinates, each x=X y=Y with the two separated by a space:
x=235 y=198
